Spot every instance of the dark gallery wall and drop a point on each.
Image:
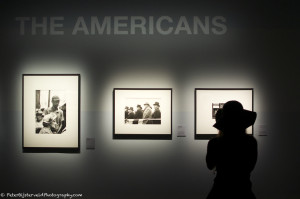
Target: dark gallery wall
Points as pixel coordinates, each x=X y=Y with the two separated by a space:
x=259 y=50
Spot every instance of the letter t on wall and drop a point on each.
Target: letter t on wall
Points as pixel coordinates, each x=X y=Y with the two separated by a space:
x=22 y=23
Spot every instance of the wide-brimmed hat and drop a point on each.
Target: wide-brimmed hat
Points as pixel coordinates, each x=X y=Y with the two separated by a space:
x=147 y=103
x=131 y=108
x=156 y=104
x=139 y=106
x=234 y=116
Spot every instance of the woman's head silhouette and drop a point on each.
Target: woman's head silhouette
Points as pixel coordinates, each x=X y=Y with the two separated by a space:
x=234 y=118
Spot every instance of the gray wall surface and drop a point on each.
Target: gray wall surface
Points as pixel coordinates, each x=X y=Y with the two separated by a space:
x=259 y=50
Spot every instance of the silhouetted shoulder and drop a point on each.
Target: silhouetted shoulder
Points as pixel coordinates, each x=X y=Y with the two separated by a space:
x=213 y=141
x=238 y=149
x=250 y=139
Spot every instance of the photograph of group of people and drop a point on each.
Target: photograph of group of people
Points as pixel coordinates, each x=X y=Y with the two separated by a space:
x=148 y=114
x=50 y=114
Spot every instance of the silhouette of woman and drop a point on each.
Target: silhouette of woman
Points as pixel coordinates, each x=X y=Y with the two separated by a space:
x=233 y=153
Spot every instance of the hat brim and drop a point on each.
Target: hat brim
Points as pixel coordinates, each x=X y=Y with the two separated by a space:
x=246 y=120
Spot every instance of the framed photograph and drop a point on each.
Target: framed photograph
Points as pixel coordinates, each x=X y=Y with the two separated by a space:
x=51 y=112
x=142 y=113
x=209 y=100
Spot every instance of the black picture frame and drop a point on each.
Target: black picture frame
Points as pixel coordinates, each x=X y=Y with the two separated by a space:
x=49 y=149
x=140 y=134
x=207 y=136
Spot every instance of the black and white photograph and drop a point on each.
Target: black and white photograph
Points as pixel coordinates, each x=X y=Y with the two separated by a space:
x=142 y=113
x=147 y=113
x=209 y=100
x=51 y=111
